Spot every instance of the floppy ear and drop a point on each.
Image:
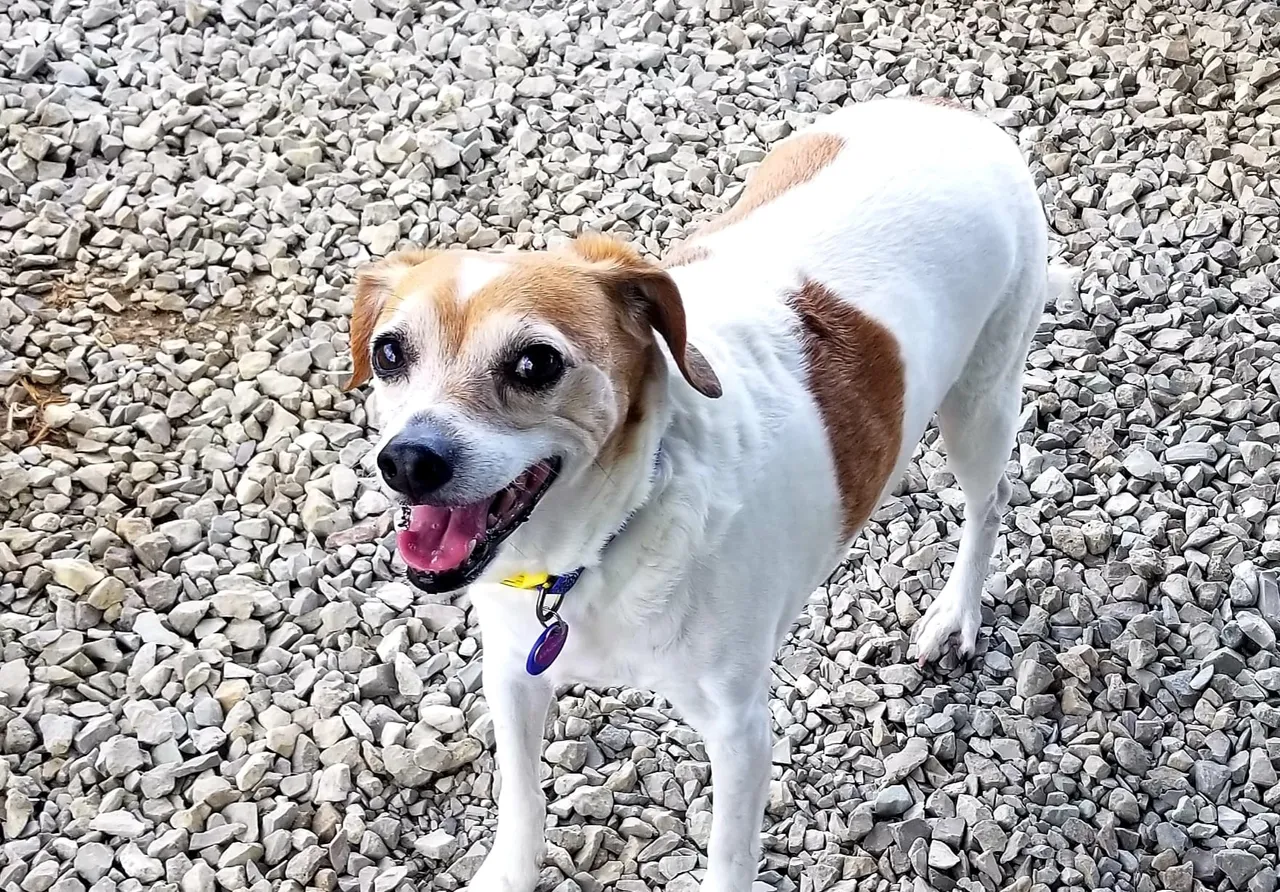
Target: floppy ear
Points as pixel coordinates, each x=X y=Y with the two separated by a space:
x=651 y=295
x=374 y=285
x=371 y=294
x=654 y=296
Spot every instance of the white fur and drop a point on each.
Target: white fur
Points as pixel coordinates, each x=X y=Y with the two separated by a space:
x=927 y=221
x=477 y=270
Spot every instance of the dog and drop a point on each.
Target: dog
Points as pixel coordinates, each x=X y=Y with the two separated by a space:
x=642 y=471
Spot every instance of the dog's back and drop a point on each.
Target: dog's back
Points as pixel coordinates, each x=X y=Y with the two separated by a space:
x=906 y=242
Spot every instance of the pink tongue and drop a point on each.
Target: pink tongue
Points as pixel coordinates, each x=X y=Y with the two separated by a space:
x=441 y=538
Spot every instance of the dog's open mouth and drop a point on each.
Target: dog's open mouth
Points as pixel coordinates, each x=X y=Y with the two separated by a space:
x=447 y=547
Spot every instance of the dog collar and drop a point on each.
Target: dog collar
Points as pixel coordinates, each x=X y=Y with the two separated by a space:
x=551 y=591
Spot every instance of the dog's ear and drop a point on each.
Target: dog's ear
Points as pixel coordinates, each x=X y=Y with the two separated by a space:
x=649 y=294
x=654 y=296
x=371 y=294
x=374 y=286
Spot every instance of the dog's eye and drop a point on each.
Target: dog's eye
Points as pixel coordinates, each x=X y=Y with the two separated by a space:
x=388 y=357
x=536 y=367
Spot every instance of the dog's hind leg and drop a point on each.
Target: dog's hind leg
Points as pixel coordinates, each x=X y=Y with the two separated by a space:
x=982 y=441
x=979 y=420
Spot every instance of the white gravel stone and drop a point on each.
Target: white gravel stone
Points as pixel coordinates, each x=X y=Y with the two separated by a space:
x=118 y=823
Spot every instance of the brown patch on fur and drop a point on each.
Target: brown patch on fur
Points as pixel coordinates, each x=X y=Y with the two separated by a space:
x=377 y=296
x=624 y=440
x=581 y=291
x=793 y=162
x=558 y=289
x=856 y=376
x=684 y=255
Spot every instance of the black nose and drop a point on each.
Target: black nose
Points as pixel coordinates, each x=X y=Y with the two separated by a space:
x=415 y=464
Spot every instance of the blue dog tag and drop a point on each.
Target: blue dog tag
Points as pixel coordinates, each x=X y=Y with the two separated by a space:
x=547 y=647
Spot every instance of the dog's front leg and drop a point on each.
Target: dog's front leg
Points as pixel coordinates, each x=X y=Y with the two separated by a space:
x=518 y=704
x=738 y=741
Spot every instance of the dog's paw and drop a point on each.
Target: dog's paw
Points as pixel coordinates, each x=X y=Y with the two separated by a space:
x=948 y=621
x=505 y=871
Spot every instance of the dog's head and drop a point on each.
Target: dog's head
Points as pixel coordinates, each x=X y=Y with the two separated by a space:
x=500 y=374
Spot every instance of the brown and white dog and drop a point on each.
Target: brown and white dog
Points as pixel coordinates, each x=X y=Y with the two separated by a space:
x=688 y=450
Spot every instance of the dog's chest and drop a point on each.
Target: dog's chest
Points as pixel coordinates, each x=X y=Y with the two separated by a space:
x=621 y=637
x=614 y=633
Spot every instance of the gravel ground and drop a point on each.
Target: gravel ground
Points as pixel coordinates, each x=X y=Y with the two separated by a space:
x=212 y=673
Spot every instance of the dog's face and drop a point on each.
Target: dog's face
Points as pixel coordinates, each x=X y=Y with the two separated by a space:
x=499 y=374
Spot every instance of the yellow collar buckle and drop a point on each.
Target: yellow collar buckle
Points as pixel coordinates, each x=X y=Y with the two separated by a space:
x=527 y=581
